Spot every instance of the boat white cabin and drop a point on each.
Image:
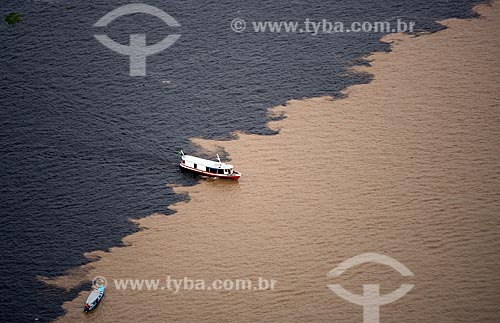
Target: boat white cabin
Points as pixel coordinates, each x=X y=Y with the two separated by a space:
x=208 y=167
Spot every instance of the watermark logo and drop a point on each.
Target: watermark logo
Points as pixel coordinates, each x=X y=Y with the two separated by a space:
x=137 y=49
x=98 y=281
x=238 y=25
x=371 y=300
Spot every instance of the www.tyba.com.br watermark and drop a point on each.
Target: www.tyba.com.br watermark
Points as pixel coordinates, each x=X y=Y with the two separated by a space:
x=323 y=26
x=186 y=284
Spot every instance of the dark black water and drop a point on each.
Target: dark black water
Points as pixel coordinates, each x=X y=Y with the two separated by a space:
x=84 y=146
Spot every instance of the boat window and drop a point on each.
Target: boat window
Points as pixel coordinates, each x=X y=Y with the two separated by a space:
x=195 y=166
x=221 y=171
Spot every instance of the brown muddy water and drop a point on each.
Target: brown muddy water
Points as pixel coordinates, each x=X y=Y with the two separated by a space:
x=407 y=166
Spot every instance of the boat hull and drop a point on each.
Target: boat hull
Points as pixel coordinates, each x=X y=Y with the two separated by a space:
x=234 y=176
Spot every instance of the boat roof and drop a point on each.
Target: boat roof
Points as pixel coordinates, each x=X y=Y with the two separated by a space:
x=206 y=162
x=93 y=296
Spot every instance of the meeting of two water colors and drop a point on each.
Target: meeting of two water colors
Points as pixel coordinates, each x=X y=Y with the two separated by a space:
x=72 y=116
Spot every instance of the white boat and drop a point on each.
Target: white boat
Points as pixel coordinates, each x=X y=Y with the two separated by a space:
x=207 y=167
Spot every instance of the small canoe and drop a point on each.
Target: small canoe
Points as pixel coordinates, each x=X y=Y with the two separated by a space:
x=94 y=299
